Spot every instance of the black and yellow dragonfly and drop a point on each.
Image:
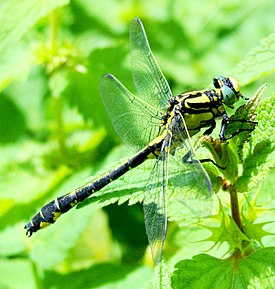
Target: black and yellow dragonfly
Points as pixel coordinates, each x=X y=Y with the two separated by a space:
x=160 y=125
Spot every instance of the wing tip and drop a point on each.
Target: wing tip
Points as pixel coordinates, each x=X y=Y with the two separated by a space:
x=108 y=75
x=137 y=21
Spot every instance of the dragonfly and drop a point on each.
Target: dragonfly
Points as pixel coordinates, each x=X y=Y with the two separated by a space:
x=160 y=126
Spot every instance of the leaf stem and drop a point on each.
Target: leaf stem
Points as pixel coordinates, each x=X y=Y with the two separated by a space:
x=235 y=212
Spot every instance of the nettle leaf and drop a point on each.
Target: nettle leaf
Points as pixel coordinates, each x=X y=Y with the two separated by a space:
x=129 y=187
x=248 y=114
x=204 y=271
x=259 y=155
x=259 y=62
x=227 y=231
x=133 y=185
x=251 y=212
x=255 y=231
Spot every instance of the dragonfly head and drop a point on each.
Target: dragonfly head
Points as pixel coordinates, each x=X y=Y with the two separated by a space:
x=229 y=88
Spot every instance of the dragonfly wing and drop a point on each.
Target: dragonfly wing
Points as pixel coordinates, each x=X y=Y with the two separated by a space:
x=154 y=206
x=135 y=121
x=187 y=181
x=147 y=75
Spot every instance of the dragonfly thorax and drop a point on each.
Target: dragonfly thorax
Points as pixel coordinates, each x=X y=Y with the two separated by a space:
x=168 y=114
x=200 y=108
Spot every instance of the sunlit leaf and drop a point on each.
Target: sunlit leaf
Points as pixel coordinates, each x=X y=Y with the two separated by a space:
x=205 y=271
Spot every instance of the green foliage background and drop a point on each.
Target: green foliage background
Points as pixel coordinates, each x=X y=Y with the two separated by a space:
x=55 y=133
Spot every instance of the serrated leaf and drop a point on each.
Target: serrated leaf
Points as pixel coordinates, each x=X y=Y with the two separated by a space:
x=259 y=155
x=247 y=114
x=204 y=271
x=255 y=231
x=227 y=231
x=133 y=185
x=251 y=226
x=129 y=187
x=259 y=62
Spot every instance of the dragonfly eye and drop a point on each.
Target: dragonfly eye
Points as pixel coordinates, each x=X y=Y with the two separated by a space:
x=234 y=84
x=229 y=96
x=229 y=87
x=219 y=81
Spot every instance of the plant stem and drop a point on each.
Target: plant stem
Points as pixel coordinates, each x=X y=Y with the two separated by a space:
x=58 y=103
x=53 y=30
x=235 y=207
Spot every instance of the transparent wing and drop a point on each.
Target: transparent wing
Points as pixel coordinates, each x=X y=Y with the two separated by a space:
x=147 y=75
x=171 y=178
x=136 y=121
x=187 y=180
x=154 y=206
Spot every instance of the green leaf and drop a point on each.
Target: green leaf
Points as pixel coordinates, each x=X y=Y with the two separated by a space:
x=251 y=213
x=248 y=114
x=83 y=89
x=16 y=274
x=259 y=154
x=260 y=61
x=15 y=64
x=12 y=241
x=132 y=186
x=63 y=238
x=28 y=95
x=10 y=131
x=29 y=11
x=101 y=276
x=128 y=188
x=22 y=167
x=227 y=231
x=204 y=271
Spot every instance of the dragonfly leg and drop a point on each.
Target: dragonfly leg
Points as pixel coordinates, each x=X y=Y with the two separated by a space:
x=188 y=160
x=225 y=121
x=211 y=128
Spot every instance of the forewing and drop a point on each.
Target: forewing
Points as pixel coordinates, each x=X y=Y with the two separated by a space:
x=135 y=120
x=147 y=75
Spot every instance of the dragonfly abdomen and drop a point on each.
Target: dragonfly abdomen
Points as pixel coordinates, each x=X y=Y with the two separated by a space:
x=53 y=210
